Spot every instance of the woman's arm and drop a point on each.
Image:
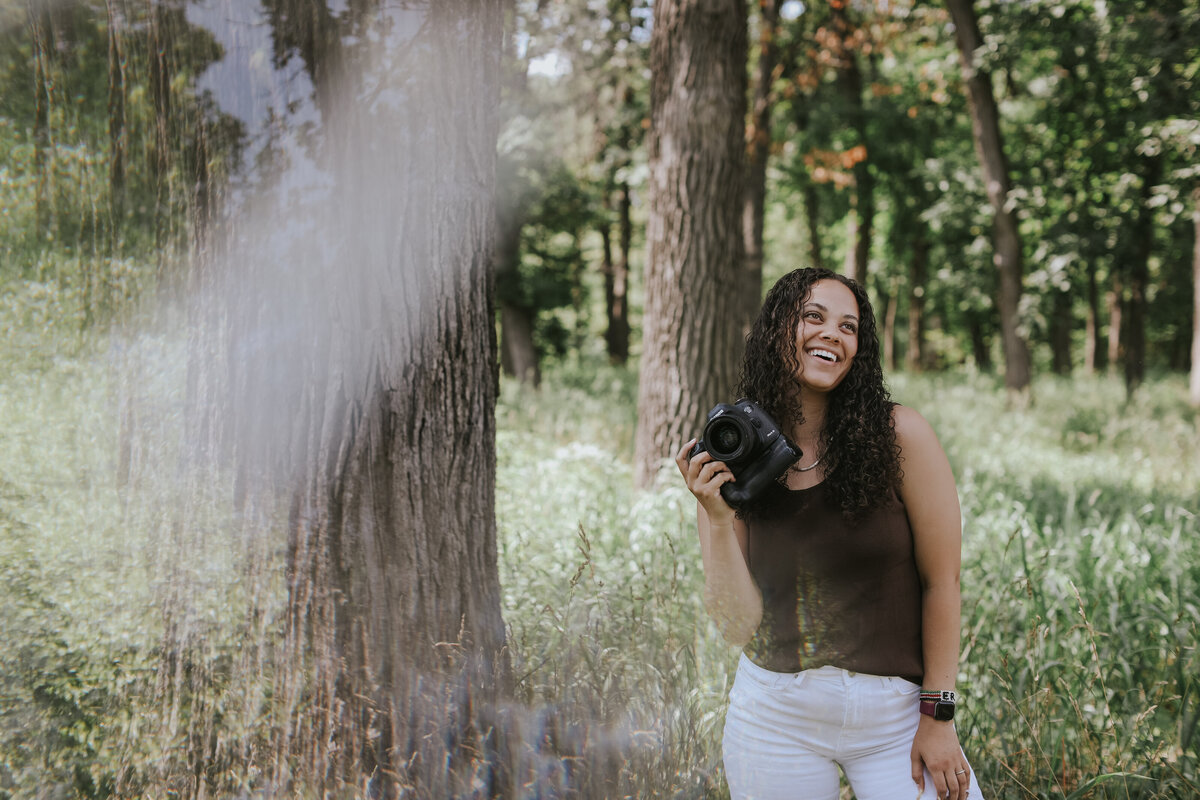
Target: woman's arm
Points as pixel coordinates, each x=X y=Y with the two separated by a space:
x=731 y=596
x=931 y=499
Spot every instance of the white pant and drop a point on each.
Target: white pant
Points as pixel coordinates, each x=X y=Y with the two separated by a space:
x=786 y=734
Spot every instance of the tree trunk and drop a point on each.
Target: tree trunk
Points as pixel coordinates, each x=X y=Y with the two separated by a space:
x=1194 y=392
x=812 y=219
x=757 y=153
x=616 y=279
x=691 y=334
x=43 y=144
x=916 y=357
x=889 y=303
x=364 y=380
x=861 y=219
x=1061 y=323
x=1094 y=352
x=518 y=353
x=981 y=349
x=160 y=46
x=1139 y=279
x=1115 y=299
x=116 y=122
x=1006 y=237
x=399 y=531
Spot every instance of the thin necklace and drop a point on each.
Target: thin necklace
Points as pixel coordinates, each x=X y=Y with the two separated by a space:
x=811 y=466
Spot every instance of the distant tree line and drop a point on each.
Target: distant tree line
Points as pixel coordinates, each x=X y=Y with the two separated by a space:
x=1010 y=180
x=861 y=125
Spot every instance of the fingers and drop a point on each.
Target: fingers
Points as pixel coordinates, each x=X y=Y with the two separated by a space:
x=700 y=467
x=950 y=784
x=963 y=777
x=703 y=474
x=681 y=458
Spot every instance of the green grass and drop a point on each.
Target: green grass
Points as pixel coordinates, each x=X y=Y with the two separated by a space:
x=1081 y=585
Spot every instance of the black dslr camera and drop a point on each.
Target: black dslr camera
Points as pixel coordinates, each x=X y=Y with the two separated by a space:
x=750 y=443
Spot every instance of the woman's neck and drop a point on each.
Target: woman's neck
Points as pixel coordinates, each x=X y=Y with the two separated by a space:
x=813 y=406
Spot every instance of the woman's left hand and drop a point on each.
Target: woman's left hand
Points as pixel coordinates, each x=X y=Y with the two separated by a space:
x=935 y=748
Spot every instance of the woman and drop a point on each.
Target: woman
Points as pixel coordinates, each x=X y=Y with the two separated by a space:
x=841 y=582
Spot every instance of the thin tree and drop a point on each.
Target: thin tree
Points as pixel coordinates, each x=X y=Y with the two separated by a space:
x=691 y=329
x=758 y=150
x=117 y=124
x=1006 y=237
x=1195 y=375
x=849 y=80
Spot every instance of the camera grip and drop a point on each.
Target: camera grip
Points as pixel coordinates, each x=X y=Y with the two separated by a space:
x=781 y=456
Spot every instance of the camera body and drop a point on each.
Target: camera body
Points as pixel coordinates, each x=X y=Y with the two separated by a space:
x=750 y=443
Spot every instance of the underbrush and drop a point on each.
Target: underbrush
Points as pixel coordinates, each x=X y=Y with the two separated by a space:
x=1080 y=583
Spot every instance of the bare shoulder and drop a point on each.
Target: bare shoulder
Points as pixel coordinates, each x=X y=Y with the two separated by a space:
x=923 y=462
x=912 y=429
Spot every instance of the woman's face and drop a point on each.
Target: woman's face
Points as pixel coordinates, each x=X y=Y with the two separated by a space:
x=827 y=338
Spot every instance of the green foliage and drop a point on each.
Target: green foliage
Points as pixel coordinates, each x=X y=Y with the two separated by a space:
x=108 y=156
x=72 y=650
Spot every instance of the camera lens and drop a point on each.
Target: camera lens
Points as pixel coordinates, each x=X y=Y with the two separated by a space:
x=727 y=439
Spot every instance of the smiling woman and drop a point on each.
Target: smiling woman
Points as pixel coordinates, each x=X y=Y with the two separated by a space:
x=841 y=581
x=827 y=335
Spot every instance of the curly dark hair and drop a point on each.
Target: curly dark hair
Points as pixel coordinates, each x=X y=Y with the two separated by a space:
x=860 y=454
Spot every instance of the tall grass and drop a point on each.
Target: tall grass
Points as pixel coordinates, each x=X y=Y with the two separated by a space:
x=1081 y=581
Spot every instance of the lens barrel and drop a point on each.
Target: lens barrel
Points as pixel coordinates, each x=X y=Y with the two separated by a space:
x=729 y=438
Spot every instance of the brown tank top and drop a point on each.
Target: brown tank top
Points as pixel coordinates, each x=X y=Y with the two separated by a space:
x=836 y=590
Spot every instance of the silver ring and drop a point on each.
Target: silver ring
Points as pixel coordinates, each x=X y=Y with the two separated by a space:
x=960 y=772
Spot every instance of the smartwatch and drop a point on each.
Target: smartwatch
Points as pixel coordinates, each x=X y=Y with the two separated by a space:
x=939 y=705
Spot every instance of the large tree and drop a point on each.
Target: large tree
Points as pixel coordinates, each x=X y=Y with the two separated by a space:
x=1006 y=238
x=691 y=329
x=362 y=380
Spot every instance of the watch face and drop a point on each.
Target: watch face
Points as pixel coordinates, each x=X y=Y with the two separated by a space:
x=943 y=711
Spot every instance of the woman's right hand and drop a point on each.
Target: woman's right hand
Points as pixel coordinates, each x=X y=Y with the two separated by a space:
x=705 y=476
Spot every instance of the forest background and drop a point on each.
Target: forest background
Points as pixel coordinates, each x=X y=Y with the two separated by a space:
x=261 y=262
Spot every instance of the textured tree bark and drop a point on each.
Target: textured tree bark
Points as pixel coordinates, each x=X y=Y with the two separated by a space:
x=364 y=376
x=758 y=150
x=1194 y=383
x=1006 y=238
x=691 y=332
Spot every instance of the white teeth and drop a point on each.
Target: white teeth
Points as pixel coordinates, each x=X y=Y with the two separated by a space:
x=825 y=354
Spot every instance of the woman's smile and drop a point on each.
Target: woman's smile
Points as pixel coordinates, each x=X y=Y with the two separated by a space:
x=828 y=335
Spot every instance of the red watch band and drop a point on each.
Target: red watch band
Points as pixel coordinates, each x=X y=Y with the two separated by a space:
x=939 y=705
